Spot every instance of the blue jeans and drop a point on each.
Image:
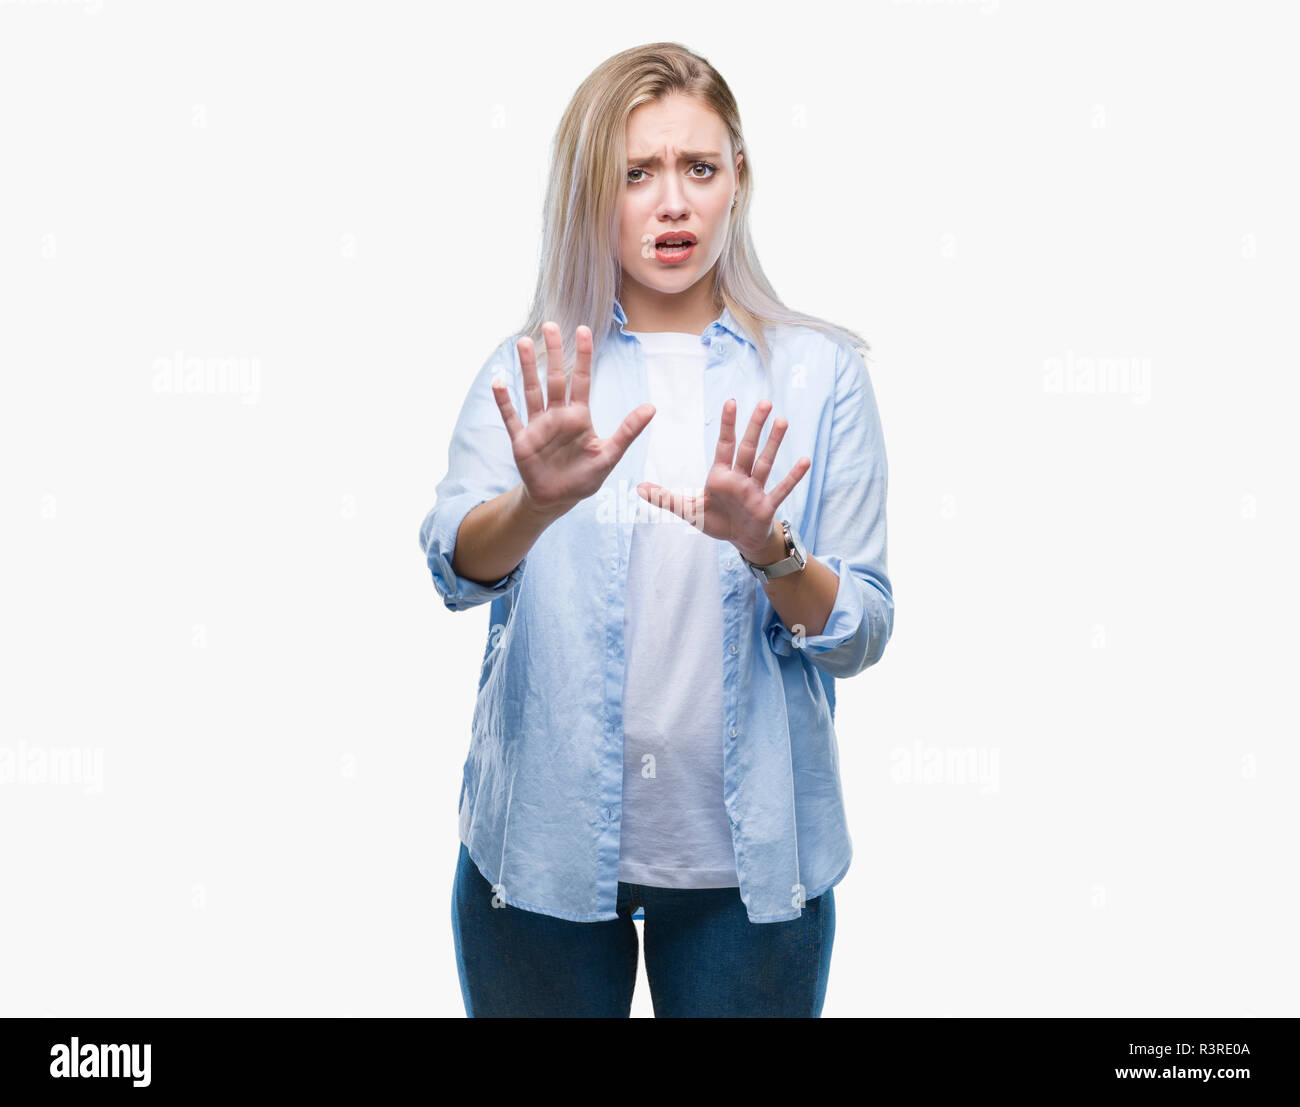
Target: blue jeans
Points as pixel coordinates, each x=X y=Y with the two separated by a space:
x=703 y=957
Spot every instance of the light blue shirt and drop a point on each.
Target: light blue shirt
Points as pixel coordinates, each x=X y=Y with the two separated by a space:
x=539 y=806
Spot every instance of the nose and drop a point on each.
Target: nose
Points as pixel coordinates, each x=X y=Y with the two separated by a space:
x=672 y=197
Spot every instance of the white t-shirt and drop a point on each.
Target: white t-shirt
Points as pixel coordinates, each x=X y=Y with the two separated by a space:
x=675 y=830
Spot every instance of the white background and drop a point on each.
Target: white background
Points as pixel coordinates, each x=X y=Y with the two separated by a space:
x=235 y=710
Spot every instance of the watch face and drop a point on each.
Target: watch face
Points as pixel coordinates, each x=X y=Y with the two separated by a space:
x=797 y=553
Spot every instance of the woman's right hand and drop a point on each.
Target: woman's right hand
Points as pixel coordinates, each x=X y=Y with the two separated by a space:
x=559 y=458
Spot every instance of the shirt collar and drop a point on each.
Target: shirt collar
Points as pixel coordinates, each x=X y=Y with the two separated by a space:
x=724 y=322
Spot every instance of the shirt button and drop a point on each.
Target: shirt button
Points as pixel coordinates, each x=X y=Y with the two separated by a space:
x=609 y=814
x=735 y=648
x=734 y=732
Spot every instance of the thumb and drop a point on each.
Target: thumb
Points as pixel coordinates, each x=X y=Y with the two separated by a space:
x=675 y=502
x=633 y=424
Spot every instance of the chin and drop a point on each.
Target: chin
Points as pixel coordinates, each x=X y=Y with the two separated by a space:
x=679 y=280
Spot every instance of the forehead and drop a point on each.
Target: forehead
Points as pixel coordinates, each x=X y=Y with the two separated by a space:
x=672 y=123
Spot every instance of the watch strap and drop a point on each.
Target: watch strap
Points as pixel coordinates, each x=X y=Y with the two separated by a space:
x=793 y=562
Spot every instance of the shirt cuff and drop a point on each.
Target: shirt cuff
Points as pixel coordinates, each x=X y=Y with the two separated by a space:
x=842 y=645
x=438 y=540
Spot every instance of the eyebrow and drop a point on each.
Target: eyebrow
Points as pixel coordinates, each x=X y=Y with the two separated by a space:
x=686 y=155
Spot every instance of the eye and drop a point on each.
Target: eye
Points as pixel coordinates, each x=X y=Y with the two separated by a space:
x=710 y=168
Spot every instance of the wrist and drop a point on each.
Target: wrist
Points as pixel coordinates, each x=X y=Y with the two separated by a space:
x=773 y=549
x=534 y=512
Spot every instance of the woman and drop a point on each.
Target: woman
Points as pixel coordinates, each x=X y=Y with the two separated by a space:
x=654 y=722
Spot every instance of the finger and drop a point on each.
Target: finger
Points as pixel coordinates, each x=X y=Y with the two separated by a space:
x=581 y=390
x=793 y=477
x=768 y=456
x=683 y=506
x=528 y=365
x=554 y=364
x=508 y=414
x=749 y=444
x=726 y=435
x=633 y=424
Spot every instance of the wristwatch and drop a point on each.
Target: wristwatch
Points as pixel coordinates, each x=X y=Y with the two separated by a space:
x=795 y=561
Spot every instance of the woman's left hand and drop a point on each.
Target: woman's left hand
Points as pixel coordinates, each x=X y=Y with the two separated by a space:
x=733 y=506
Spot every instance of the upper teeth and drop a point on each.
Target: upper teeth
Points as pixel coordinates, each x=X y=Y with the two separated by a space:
x=674 y=242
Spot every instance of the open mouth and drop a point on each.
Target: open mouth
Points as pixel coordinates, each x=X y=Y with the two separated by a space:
x=674 y=245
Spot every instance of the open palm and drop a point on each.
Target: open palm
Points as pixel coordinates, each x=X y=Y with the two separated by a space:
x=560 y=458
x=733 y=505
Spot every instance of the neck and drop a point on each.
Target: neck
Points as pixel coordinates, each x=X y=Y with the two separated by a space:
x=688 y=312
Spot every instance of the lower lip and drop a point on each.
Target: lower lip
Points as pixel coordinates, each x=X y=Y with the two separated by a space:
x=674 y=257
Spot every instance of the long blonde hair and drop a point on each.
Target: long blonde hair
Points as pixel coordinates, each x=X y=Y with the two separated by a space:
x=579 y=270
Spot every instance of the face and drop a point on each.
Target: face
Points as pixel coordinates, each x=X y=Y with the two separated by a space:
x=681 y=180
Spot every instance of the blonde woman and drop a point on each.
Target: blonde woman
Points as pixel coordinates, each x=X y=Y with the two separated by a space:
x=673 y=594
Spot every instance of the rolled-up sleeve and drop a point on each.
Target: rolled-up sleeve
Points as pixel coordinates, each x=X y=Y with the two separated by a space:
x=480 y=466
x=849 y=534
